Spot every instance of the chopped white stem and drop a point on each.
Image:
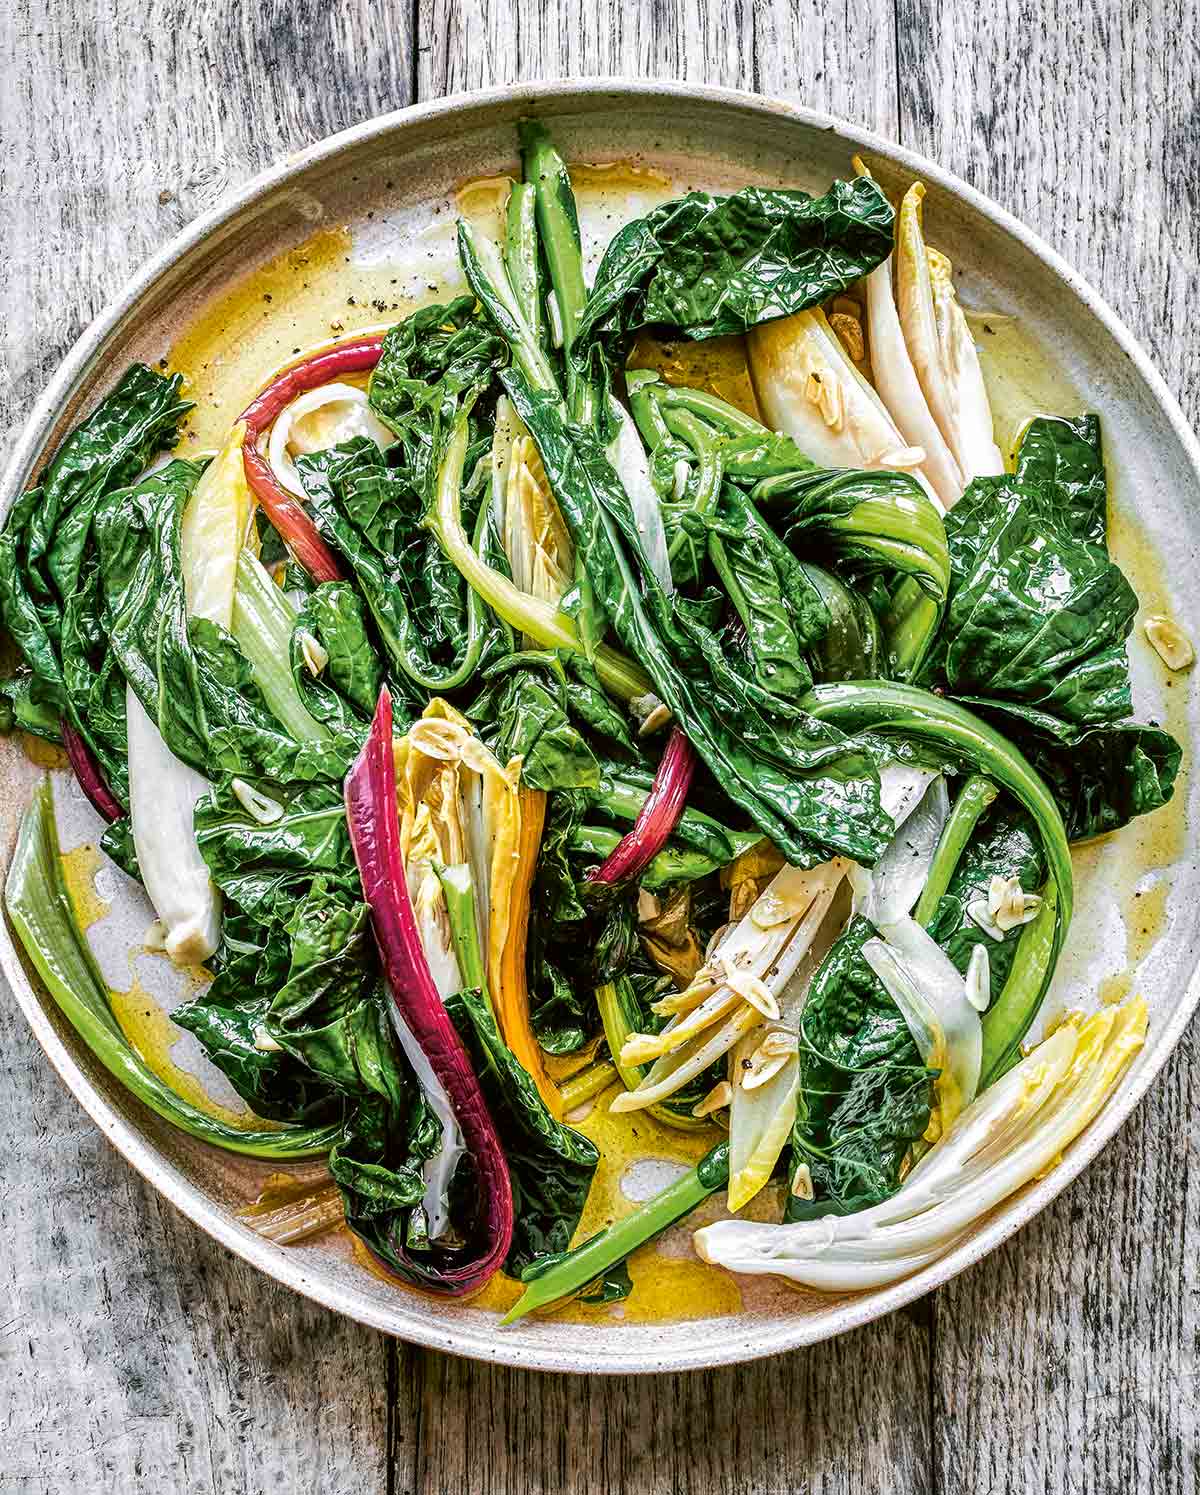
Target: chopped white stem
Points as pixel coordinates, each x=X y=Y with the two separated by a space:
x=675 y=1069
x=888 y=891
x=900 y=389
x=162 y=798
x=809 y=389
x=931 y=995
x=975 y=442
x=628 y=456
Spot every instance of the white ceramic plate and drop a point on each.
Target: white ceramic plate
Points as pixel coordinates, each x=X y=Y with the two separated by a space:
x=395 y=177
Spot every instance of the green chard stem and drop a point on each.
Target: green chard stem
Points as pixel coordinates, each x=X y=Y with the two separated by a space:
x=1008 y=1019
x=558 y=224
x=521 y=258
x=459 y=893
x=263 y=620
x=727 y=418
x=709 y=470
x=671 y=865
x=619 y=1013
x=557 y=1279
x=486 y=275
x=39 y=906
x=587 y=1084
x=872 y=705
x=644 y=388
x=975 y=796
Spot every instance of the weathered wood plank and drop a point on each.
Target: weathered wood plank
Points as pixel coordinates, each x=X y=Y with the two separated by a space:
x=848 y=1416
x=135 y=1354
x=829 y=56
x=1068 y=1361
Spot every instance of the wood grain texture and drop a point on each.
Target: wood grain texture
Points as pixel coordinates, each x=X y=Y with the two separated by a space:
x=1069 y=1359
x=850 y=1415
x=136 y=1355
x=835 y=56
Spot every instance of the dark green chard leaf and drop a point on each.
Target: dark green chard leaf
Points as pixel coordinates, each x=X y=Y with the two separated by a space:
x=230 y=1020
x=377 y=1160
x=550 y=1166
x=435 y=628
x=806 y=788
x=333 y=615
x=865 y=1095
x=267 y=869
x=705 y=266
x=1102 y=777
x=24 y=705
x=524 y=713
x=429 y=360
x=878 y=525
x=780 y=609
x=1034 y=637
x=852 y=646
x=1037 y=616
x=1066 y=456
x=329 y=1014
x=48 y=587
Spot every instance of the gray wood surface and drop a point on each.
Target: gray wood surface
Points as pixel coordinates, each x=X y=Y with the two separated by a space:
x=137 y=1356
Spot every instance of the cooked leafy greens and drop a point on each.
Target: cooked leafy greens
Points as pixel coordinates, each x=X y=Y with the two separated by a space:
x=528 y=732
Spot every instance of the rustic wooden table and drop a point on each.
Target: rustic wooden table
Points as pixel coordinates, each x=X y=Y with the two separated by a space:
x=136 y=1355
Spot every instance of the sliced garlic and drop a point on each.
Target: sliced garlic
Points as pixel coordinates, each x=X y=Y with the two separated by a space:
x=716 y=1100
x=850 y=334
x=1170 y=642
x=753 y=989
x=979 y=979
x=313 y=652
x=316 y=420
x=640 y=1048
x=657 y=719
x=902 y=457
x=263 y=809
x=802 y=1184
x=1006 y=907
x=767 y=1059
x=649 y=907
x=770 y=909
x=264 y=1043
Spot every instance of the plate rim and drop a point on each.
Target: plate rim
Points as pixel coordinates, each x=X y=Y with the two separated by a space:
x=489 y=1344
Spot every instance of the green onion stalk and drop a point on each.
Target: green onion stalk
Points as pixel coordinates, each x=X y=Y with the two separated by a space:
x=554 y=1280
x=39 y=907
